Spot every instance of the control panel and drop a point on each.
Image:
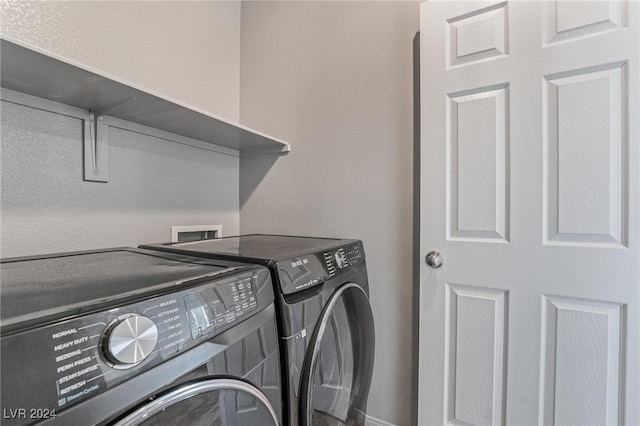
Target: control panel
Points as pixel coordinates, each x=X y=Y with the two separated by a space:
x=306 y=271
x=342 y=258
x=68 y=362
x=215 y=307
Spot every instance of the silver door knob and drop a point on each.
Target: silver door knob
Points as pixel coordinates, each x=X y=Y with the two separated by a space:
x=435 y=259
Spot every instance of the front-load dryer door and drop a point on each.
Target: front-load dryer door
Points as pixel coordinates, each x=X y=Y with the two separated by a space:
x=213 y=402
x=339 y=361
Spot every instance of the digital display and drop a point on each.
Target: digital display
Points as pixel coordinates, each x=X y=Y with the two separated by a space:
x=201 y=318
x=215 y=307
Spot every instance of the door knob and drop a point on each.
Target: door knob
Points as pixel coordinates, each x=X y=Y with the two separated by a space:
x=435 y=259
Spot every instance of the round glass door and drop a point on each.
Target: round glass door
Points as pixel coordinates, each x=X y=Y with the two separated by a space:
x=215 y=402
x=339 y=363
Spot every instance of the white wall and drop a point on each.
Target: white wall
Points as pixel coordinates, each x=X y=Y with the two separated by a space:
x=336 y=80
x=186 y=50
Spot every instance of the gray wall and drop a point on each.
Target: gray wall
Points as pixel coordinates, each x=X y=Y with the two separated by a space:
x=153 y=184
x=333 y=78
x=186 y=50
x=336 y=80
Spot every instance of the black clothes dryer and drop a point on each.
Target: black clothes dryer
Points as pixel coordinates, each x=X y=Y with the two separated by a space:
x=135 y=337
x=324 y=317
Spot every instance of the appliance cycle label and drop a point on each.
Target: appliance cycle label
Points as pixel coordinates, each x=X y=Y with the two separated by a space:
x=76 y=361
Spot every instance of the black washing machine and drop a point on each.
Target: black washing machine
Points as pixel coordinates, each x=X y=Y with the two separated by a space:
x=325 y=321
x=136 y=337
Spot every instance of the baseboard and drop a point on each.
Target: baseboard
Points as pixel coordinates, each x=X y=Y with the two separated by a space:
x=372 y=421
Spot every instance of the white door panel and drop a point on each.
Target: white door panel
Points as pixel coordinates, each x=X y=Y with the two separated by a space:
x=530 y=186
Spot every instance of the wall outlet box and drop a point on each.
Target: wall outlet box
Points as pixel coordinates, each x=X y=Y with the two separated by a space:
x=195 y=232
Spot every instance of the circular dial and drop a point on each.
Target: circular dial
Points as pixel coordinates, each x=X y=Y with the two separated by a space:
x=339 y=259
x=131 y=340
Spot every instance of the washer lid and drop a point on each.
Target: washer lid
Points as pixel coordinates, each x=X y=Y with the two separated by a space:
x=49 y=286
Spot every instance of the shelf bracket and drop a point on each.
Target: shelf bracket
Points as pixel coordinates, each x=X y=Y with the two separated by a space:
x=96 y=149
x=96 y=144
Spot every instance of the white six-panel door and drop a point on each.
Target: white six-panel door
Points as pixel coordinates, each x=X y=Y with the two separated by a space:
x=530 y=188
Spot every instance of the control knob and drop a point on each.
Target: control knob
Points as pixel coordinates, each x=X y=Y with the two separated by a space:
x=339 y=256
x=131 y=339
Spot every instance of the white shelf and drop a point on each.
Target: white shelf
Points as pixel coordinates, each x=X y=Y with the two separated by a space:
x=32 y=71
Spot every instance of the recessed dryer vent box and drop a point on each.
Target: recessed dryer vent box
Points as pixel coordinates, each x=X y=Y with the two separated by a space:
x=195 y=232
